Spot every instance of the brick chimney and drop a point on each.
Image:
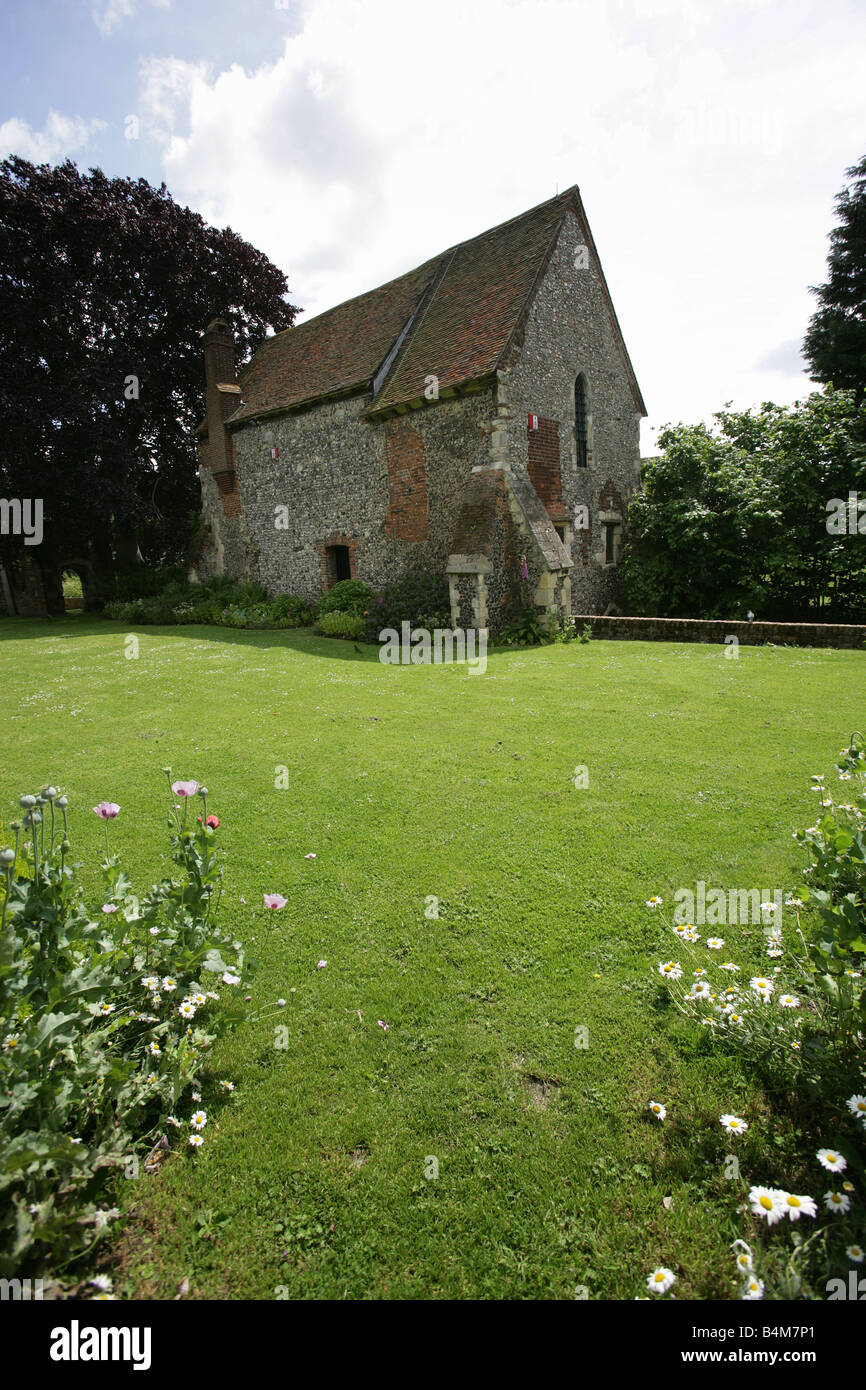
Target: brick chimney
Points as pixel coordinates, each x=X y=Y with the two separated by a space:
x=222 y=397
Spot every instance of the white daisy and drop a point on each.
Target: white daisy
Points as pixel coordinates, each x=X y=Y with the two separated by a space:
x=196 y=1141
x=151 y=982
x=753 y=1288
x=660 y=1111
x=670 y=969
x=762 y=986
x=855 y=1253
x=715 y=943
x=797 y=1206
x=733 y=1124
x=653 y=902
x=169 y=983
x=857 y=1105
x=155 y=1049
x=186 y=1009
x=788 y=1001
x=660 y=1280
x=728 y=965
x=682 y=931
x=198 y=1119
x=837 y=1201
x=101 y=1282
x=699 y=990
x=767 y=1202
x=832 y=1160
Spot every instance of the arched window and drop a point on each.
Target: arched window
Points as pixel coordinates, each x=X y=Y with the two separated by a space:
x=581 y=432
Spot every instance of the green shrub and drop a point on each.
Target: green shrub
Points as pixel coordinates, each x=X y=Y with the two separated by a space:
x=221 y=602
x=99 y=1049
x=348 y=596
x=529 y=628
x=341 y=625
x=290 y=611
x=119 y=610
x=419 y=597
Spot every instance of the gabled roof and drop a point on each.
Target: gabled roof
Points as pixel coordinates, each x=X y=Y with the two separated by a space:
x=456 y=318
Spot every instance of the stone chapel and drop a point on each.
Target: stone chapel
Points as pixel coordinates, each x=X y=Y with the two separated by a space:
x=478 y=416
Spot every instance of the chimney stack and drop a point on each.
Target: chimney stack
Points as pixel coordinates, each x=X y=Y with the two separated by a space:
x=222 y=397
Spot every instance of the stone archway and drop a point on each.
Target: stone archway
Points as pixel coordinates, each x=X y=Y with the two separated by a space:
x=83 y=569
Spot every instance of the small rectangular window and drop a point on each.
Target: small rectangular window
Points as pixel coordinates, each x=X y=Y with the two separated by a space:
x=339 y=564
x=581 y=433
x=612 y=530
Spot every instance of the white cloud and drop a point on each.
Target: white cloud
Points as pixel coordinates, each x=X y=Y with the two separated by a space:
x=116 y=11
x=58 y=138
x=708 y=141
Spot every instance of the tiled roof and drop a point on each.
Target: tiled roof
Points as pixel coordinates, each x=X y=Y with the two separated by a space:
x=334 y=352
x=459 y=314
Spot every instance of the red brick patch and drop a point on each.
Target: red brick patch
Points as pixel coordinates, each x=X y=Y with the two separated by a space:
x=406 y=519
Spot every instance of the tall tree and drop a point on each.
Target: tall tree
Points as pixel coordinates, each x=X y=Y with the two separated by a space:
x=755 y=514
x=105 y=287
x=835 y=342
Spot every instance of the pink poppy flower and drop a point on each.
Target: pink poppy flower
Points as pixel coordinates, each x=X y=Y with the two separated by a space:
x=386 y=1026
x=107 y=810
x=275 y=900
x=213 y=822
x=309 y=856
x=109 y=907
x=184 y=788
x=320 y=965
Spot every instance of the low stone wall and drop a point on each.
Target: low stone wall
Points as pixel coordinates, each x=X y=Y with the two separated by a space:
x=718 y=629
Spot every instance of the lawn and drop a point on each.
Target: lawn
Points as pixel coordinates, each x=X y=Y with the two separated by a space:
x=414 y=786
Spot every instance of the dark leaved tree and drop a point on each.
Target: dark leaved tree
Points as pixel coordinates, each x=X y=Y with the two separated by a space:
x=835 y=343
x=105 y=287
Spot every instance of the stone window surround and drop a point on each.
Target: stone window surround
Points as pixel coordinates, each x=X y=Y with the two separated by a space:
x=613 y=519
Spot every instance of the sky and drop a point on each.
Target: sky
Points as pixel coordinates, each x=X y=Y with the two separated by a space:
x=351 y=141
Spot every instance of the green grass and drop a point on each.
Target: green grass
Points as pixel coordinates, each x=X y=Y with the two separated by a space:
x=414 y=782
